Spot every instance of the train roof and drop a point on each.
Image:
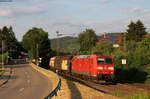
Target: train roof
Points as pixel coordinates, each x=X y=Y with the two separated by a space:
x=88 y=56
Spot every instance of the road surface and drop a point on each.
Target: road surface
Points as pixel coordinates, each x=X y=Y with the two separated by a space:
x=25 y=83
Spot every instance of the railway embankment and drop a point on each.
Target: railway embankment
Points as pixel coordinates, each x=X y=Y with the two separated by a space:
x=74 y=90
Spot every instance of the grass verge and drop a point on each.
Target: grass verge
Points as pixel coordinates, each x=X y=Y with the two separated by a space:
x=143 y=95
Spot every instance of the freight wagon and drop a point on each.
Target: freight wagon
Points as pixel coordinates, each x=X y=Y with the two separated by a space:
x=61 y=64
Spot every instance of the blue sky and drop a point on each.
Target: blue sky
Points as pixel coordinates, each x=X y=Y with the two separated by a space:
x=73 y=16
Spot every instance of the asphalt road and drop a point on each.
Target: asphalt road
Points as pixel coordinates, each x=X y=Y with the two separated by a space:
x=25 y=83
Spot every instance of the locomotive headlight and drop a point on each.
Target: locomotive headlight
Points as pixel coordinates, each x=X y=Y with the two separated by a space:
x=110 y=68
x=100 y=68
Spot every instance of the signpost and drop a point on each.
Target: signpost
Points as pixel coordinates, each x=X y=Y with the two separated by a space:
x=124 y=61
x=116 y=45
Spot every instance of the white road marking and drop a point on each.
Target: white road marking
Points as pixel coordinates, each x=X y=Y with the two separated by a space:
x=21 y=89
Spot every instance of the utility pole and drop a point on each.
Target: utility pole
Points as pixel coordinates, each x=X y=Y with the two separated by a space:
x=2 y=56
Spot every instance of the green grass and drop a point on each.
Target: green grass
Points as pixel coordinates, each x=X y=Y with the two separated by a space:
x=143 y=95
x=118 y=93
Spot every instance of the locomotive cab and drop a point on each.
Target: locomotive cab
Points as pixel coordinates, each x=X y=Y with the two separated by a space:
x=105 y=67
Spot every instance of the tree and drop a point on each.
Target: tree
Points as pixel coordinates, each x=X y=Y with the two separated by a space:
x=136 y=31
x=36 y=42
x=8 y=35
x=10 y=41
x=104 y=48
x=140 y=30
x=131 y=35
x=87 y=39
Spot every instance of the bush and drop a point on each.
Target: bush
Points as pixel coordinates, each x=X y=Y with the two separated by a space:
x=134 y=69
x=105 y=48
x=5 y=58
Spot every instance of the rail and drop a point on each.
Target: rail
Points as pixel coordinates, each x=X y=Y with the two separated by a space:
x=54 y=92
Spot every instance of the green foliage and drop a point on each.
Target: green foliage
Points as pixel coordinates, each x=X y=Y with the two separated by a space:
x=37 y=43
x=136 y=31
x=8 y=36
x=104 y=48
x=10 y=42
x=138 y=56
x=87 y=39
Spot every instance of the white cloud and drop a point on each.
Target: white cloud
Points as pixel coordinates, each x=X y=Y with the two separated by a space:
x=16 y=11
x=137 y=11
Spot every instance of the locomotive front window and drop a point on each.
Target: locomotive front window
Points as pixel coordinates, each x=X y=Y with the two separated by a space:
x=101 y=61
x=104 y=61
x=108 y=61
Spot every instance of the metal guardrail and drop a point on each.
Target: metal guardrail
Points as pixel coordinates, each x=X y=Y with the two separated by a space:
x=54 y=92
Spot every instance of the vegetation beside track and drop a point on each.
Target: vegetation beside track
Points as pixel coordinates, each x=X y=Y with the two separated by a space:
x=143 y=95
x=137 y=68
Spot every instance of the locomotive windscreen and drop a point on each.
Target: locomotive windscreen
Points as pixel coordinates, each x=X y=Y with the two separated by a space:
x=104 y=61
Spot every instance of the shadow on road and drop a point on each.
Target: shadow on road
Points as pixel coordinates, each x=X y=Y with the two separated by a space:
x=17 y=61
x=8 y=76
x=16 y=66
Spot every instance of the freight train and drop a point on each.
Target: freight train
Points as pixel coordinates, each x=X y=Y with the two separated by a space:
x=95 y=67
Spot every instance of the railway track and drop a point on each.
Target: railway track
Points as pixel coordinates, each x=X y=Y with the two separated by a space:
x=125 y=88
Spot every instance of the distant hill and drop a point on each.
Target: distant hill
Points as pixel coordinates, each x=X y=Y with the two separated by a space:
x=71 y=44
x=66 y=44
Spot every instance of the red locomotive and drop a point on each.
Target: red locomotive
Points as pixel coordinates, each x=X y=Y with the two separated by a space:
x=91 y=66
